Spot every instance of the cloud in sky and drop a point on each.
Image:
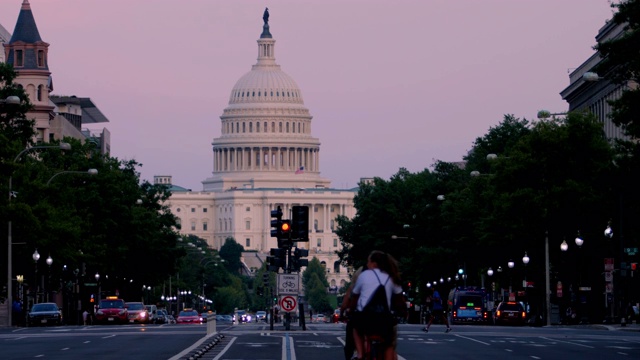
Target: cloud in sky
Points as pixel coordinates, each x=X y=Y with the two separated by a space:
x=389 y=84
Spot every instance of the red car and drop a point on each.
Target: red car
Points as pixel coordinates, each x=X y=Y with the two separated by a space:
x=188 y=316
x=112 y=310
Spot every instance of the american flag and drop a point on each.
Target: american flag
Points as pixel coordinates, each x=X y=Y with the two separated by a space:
x=300 y=171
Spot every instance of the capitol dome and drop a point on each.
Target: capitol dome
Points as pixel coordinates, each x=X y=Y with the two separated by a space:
x=265 y=139
x=266 y=83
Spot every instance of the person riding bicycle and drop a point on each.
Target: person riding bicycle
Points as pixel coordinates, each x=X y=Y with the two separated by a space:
x=382 y=270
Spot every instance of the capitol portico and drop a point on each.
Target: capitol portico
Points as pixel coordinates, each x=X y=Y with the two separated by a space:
x=265 y=157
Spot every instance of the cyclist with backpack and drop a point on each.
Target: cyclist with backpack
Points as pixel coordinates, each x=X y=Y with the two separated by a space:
x=371 y=297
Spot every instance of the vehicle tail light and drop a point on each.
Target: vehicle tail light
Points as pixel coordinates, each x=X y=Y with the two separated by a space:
x=455 y=314
x=498 y=312
x=524 y=314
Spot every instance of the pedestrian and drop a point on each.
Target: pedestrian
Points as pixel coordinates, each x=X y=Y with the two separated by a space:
x=382 y=269
x=85 y=316
x=349 y=342
x=437 y=311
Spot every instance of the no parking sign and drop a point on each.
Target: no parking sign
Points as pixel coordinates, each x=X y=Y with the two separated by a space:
x=288 y=303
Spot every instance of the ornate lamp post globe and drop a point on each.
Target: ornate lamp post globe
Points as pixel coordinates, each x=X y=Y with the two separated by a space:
x=564 y=246
x=441 y=280
x=428 y=284
x=36 y=256
x=97 y=276
x=579 y=241
x=460 y=271
x=608 y=232
x=511 y=264
x=49 y=260
x=490 y=272
x=525 y=258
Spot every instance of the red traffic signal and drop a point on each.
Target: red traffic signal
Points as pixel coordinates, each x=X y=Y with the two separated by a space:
x=634 y=266
x=285 y=227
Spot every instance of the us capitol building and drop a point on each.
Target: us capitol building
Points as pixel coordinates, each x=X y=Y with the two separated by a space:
x=265 y=157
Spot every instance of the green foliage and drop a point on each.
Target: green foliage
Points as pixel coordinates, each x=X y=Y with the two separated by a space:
x=231 y=252
x=314 y=280
x=621 y=65
x=553 y=176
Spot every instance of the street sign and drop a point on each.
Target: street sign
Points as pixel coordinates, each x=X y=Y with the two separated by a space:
x=288 y=303
x=288 y=284
x=631 y=251
x=608 y=264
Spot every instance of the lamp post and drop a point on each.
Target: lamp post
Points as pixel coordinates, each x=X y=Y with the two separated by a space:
x=490 y=274
x=36 y=257
x=88 y=172
x=97 y=276
x=511 y=264
x=525 y=261
x=49 y=262
x=61 y=146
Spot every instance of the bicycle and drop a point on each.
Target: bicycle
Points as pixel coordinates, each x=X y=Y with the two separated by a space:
x=375 y=347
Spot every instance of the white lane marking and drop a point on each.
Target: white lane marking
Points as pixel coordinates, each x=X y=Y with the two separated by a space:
x=567 y=342
x=534 y=357
x=226 y=348
x=509 y=350
x=64 y=349
x=472 y=339
x=108 y=336
x=621 y=353
x=86 y=342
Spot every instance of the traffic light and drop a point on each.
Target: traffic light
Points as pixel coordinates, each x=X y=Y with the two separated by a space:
x=300 y=223
x=634 y=266
x=276 y=222
x=277 y=260
x=298 y=261
x=284 y=237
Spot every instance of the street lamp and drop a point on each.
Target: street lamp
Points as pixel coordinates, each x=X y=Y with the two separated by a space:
x=61 y=146
x=36 y=257
x=89 y=172
x=97 y=276
x=49 y=262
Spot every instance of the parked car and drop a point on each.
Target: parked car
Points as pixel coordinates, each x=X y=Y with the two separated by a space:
x=161 y=316
x=318 y=318
x=261 y=316
x=137 y=313
x=152 y=310
x=45 y=314
x=510 y=312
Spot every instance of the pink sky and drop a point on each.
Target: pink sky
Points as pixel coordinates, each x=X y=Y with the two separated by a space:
x=389 y=84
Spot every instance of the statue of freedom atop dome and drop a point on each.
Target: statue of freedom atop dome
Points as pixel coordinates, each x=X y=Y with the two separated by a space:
x=265 y=16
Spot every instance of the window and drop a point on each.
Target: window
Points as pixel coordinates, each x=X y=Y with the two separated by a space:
x=247 y=242
x=335 y=242
x=315 y=209
x=258 y=126
x=193 y=210
x=315 y=224
x=204 y=226
x=193 y=226
x=41 y=58
x=248 y=225
x=319 y=242
x=204 y=209
x=179 y=223
x=178 y=210
x=19 y=60
x=332 y=225
x=248 y=209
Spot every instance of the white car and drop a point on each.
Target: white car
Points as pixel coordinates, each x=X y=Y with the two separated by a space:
x=261 y=316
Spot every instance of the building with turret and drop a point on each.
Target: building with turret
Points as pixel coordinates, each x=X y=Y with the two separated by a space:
x=55 y=117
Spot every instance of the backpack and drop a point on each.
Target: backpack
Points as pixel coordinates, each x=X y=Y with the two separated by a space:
x=377 y=318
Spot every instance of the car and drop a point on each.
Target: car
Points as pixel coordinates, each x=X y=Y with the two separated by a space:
x=45 y=314
x=112 y=310
x=152 y=310
x=224 y=318
x=261 y=316
x=335 y=318
x=318 y=318
x=171 y=319
x=188 y=316
x=204 y=317
x=510 y=312
x=161 y=316
x=137 y=313
x=242 y=316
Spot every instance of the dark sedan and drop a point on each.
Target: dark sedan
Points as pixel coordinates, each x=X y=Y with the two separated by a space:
x=510 y=313
x=45 y=314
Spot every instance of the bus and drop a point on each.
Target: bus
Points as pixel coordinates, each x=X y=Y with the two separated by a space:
x=468 y=304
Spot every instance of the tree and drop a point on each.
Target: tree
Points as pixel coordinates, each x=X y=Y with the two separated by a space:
x=621 y=65
x=314 y=280
x=231 y=252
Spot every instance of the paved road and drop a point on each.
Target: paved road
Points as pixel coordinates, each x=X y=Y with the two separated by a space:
x=319 y=341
